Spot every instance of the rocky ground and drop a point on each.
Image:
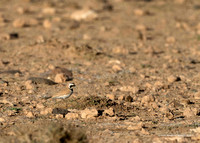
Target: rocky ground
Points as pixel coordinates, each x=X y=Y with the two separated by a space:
x=135 y=64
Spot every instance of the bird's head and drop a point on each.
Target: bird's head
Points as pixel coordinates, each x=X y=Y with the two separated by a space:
x=71 y=85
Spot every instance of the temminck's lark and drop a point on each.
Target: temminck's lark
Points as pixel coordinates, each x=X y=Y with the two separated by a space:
x=65 y=93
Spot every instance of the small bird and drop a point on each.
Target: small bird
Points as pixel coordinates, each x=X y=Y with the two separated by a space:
x=66 y=93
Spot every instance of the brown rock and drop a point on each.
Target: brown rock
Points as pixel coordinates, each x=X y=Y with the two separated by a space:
x=146 y=99
x=173 y=78
x=2 y=120
x=158 y=85
x=116 y=68
x=140 y=27
x=196 y=135
x=89 y=113
x=132 y=69
x=47 y=24
x=18 y=23
x=120 y=50
x=40 y=39
x=46 y=111
x=170 y=39
x=71 y=116
x=138 y=12
x=59 y=116
x=109 y=112
x=136 y=118
x=84 y=14
x=49 y=10
x=197 y=95
x=60 y=78
x=121 y=97
x=29 y=115
x=110 y=96
x=190 y=112
x=144 y=132
x=29 y=85
x=196 y=130
x=40 y=106
x=133 y=89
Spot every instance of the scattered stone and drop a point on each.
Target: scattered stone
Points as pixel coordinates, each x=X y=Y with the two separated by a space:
x=196 y=137
x=172 y=79
x=29 y=85
x=89 y=113
x=146 y=99
x=170 y=39
x=22 y=10
x=49 y=10
x=59 y=116
x=158 y=85
x=140 y=27
x=86 y=37
x=136 y=118
x=109 y=112
x=47 y=24
x=39 y=80
x=4 y=101
x=29 y=115
x=197 y=95
x=138 y=12
x=116 y=68
x=84 y=15
x=110 y=96
x=120 y=50
x=2 y=120
x=144 y=132
x=121 y=97
x=133 y=89
x=19 y=23
x=132 y=69
x=190 y=112
x=60 y=78
x=46 y=111
x=196 y=130
x=71 y=116
x=40 y=39
x=40 y=106
x=115 y=62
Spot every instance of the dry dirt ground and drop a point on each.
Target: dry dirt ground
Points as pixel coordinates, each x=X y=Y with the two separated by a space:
x=135 y=64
